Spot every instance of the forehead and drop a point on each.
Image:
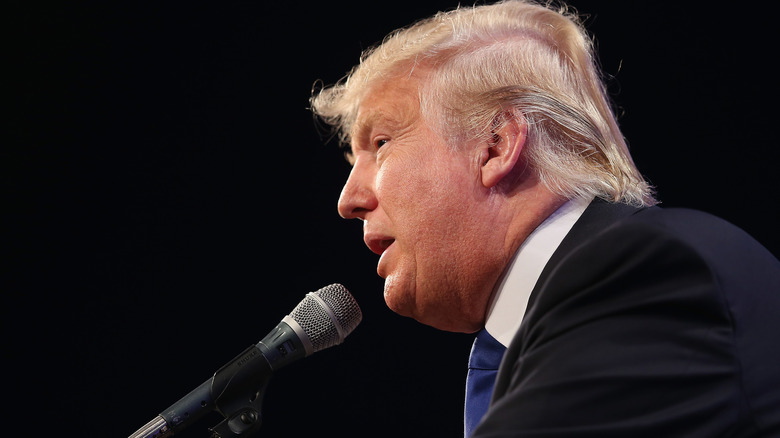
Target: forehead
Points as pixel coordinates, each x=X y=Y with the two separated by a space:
x=392 y=103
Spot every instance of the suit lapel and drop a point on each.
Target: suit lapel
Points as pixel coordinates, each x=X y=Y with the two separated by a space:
x=598 y=216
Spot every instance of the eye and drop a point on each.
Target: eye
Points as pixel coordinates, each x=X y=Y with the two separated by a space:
x=380 y=142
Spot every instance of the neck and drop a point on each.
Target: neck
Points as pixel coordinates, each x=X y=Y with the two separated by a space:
x=527 y=210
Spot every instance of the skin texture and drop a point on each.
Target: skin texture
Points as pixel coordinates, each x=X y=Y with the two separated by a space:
x=445 y=220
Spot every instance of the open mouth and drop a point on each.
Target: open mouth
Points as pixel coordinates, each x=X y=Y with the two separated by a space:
x=378 y=246
x=384 y=244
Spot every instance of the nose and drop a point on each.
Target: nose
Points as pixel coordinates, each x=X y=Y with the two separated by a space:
x=357 y=196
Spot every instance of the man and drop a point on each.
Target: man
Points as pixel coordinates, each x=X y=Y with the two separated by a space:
x=492 y=178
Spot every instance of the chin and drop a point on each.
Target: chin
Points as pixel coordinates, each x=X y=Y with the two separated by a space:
x=440 y=314
x=398 y=299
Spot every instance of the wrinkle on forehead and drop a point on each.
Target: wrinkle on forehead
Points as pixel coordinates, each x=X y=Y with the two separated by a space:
x=391 y=105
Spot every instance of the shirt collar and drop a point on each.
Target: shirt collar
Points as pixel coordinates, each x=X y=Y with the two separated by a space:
x=510 y=299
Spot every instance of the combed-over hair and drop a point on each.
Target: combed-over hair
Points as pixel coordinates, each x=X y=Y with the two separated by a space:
x=487 y=61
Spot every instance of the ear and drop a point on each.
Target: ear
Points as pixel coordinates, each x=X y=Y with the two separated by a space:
x=500 y=153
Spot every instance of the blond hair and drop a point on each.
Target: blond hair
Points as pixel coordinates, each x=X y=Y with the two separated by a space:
x=486 y=61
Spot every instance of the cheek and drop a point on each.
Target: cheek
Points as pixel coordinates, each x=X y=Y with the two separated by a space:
x=416 y=199
x=400 y=185
x=429 y=215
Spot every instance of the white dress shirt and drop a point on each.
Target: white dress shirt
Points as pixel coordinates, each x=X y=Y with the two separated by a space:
x=510 y=300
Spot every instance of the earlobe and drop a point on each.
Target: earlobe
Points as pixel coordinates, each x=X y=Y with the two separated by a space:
x=500 y=152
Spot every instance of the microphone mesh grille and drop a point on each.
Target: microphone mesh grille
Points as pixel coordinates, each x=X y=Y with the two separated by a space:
x=316 y=321
x=343 y=305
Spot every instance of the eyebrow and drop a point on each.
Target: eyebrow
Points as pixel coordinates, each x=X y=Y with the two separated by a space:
x=364 y=124
x=399 y=116
x=397 y=119
x=358 y=130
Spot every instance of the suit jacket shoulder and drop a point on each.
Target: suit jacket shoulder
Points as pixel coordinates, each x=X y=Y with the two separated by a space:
x=645 y=322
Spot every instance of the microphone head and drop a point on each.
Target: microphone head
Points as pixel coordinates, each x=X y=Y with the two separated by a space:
x=327 y=316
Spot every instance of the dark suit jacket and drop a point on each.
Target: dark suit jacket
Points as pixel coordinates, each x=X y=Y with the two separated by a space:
x=646 y=322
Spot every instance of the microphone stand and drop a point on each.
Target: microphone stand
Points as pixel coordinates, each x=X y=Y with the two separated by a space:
x=236 y=391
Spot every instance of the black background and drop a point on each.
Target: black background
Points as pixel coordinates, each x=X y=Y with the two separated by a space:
x=168 y=198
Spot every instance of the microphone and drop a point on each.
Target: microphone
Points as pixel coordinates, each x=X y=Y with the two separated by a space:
x=321 y=320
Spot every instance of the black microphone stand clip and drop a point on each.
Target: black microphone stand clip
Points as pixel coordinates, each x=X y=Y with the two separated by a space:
x=239 y=388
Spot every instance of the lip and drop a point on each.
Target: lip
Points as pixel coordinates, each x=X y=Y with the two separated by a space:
x=377 y=243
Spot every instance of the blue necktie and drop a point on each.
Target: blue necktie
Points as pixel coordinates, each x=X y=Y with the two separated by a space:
x=486 y=354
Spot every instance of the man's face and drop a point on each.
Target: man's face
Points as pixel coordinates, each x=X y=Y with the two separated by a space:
x=421 y=203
